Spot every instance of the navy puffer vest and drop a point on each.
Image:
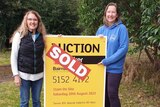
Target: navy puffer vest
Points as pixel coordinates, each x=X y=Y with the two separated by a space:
x=30 y=55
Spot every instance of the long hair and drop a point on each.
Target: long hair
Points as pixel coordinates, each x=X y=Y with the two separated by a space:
x=106 y=8
x=23 y=28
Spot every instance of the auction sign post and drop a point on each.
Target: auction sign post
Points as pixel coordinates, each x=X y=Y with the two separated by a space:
x=73 y=77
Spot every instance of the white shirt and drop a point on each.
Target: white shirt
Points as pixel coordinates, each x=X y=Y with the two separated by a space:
x=14 y=60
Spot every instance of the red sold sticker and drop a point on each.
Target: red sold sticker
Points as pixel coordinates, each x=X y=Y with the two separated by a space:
x=68 y=62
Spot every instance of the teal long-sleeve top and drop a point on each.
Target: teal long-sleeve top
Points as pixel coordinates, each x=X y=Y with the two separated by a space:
x=117 y=46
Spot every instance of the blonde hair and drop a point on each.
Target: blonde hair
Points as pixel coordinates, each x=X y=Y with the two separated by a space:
x=23 y=28
x=106 y=8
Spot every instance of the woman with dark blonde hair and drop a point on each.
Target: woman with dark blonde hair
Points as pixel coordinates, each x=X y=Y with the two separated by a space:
x=27 y=58
x=117 y=46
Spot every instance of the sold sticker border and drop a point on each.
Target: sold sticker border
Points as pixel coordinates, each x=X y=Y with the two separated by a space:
x=70 y=63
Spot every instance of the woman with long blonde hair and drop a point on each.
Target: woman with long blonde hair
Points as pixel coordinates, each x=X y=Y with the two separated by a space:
x=27 y=58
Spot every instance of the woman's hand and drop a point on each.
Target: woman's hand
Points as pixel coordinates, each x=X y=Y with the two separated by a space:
x=101 y=36
x=59 y=35
x=100 y=63
x=17 y=80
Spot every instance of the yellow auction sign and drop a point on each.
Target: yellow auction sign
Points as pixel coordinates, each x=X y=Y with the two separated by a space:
x=72 y=76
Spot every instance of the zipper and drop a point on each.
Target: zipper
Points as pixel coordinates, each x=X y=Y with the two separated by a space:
x=34 y=57
x=34 y=45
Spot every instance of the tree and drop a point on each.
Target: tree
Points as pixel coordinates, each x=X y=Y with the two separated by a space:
x=150 y=31
x=142 y=18
x=90 y=15
x=9 y=16
x=59 y=16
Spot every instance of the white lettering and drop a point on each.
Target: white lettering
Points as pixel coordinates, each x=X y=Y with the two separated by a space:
x=64 y=59
x=55 y=52
x=71 y=65
x=81 y=71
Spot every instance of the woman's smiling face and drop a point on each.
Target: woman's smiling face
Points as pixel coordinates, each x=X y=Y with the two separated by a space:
x=32 y=22
x=111 y=14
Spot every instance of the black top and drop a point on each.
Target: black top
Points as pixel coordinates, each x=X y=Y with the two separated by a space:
x=30 y=55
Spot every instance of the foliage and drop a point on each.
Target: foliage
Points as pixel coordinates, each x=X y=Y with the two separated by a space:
x=9 y=18
x=142 y=18
x=59 y=16
x=150 y=30
x=90 y=15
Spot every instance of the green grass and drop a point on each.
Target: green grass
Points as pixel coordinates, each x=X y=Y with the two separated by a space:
x=132 y=95
x=9 y=96
x=138 y=94
x=5 y=58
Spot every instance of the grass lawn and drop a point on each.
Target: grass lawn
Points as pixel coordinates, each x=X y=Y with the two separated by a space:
x=131 y=95
x=9 y=96
x=138 y=94
x=5 y=58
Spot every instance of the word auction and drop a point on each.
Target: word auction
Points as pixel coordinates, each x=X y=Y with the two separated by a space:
x=80 y=48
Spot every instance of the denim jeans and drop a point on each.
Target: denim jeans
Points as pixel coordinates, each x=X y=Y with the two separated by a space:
x=35 y=88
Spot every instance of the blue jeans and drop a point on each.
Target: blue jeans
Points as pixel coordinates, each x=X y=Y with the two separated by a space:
x=35 y=87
